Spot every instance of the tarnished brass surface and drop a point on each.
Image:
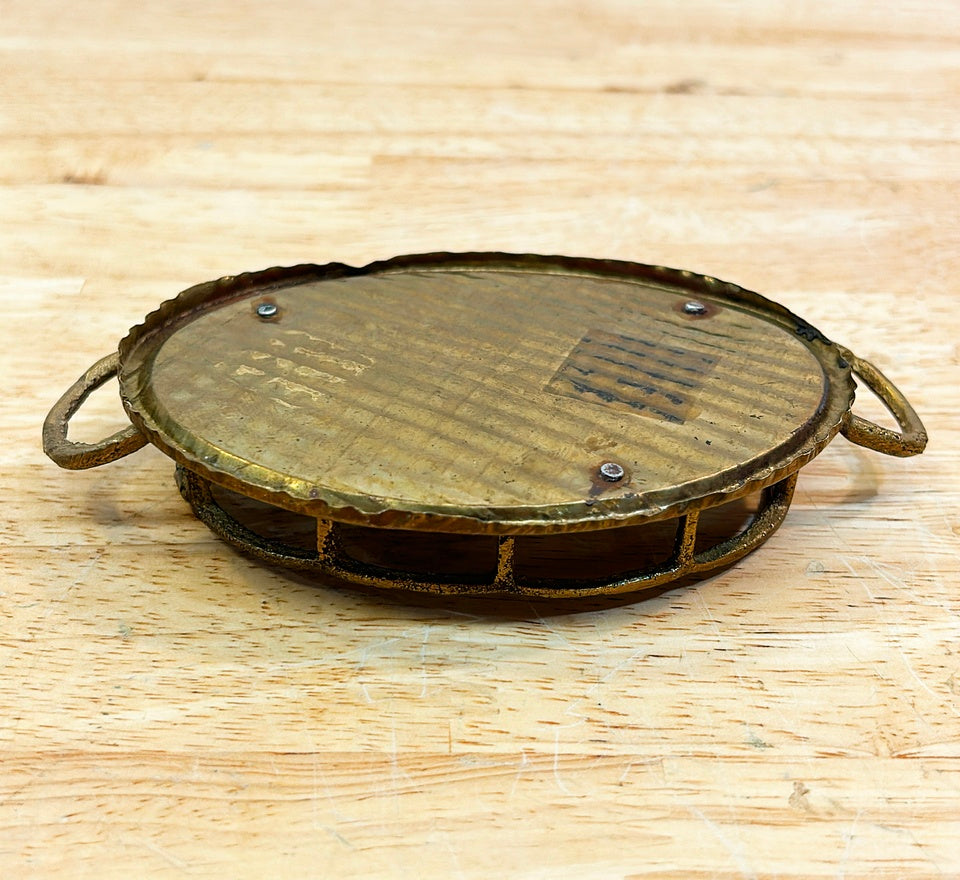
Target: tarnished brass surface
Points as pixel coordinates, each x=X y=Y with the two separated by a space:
x=79 y=456
x=484 y=394
x=911 y=440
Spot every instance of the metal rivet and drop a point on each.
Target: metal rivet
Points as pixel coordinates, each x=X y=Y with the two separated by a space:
x=694 y=308
x=267 y=310
x=611 y=471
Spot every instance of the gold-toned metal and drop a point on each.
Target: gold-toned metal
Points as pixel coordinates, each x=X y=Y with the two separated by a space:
x=912 y=438
x=484 y=394
x=329 y=558
x=78 y=456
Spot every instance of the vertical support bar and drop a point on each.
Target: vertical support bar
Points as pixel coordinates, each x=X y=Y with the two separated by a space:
x=774 y=503
x=327 y=543
x=505 y=579
x=685 y=541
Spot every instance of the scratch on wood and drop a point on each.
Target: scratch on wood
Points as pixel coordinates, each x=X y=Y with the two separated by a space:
x=556 y=765
x=169 y=858
x=731 y=848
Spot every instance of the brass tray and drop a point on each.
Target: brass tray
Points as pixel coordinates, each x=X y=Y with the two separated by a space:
x=503 y=395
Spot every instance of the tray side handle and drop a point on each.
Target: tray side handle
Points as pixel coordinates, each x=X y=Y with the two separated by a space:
x=77 y=456
x=912 y=437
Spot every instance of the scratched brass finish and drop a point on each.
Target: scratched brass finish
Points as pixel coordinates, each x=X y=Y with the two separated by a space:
x=480 y=394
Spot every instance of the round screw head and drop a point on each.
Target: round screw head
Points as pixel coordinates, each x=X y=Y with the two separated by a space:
x=267 y=310
x=694 y=308
x=611 y=471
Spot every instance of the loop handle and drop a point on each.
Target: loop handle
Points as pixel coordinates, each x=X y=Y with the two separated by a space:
x=77 y=456
x=912 y=437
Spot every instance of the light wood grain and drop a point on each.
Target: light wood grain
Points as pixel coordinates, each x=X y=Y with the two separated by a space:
x=170 y=708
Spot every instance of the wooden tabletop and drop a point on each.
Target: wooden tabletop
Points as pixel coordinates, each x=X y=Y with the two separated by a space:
x=171 y=708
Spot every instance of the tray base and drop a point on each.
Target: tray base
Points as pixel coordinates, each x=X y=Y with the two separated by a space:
x=329 y=553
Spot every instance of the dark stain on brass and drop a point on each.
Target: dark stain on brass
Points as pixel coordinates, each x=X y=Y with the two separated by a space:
x=607 y=476
x=657 y=375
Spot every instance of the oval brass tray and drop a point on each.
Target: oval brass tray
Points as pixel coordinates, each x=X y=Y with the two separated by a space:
x=483 y=394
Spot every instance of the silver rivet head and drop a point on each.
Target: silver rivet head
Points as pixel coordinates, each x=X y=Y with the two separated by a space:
x=694 y=308
x=267 y=310
x=611 y=471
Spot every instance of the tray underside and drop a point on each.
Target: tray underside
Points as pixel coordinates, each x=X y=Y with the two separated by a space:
x=483 y=394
